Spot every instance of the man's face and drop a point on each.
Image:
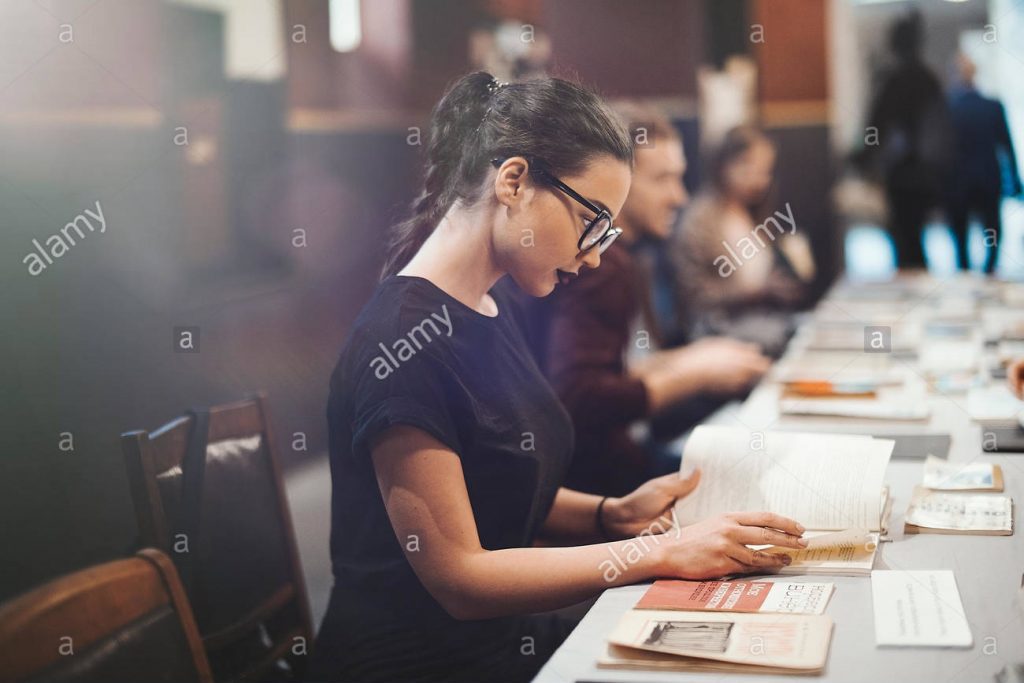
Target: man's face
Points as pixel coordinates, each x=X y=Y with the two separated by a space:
x=657 y=192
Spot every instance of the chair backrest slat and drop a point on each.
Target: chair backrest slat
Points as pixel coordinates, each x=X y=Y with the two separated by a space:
x=246 y=556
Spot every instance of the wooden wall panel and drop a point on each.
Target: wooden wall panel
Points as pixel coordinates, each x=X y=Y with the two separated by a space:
x=793 y=59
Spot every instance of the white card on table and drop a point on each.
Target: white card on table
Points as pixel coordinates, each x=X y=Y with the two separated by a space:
x=920 y=608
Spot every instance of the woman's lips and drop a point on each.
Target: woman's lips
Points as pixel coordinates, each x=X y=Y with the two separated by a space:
x=565 y=277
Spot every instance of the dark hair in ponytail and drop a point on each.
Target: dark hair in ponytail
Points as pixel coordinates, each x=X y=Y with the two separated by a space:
x=548 y=119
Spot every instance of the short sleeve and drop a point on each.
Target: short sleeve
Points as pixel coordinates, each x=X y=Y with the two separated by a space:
x=417 y=392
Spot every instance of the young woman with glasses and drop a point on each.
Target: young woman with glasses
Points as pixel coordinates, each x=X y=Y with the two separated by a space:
x=450 y=530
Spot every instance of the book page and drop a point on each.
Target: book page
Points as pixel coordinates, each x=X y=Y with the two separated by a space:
x=849 y=552
x=795 y=641
x=823 y=481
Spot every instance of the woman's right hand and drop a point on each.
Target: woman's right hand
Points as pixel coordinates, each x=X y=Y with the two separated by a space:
x=715 y=364
x=722 y=365
x=717 y=546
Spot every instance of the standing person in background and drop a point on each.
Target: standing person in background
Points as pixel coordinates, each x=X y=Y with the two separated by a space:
x=981 y=136
x=910 y=123
x=741 y=279
x=595 y=324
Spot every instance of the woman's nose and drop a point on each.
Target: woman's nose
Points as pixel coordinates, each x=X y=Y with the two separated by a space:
x=591 y=258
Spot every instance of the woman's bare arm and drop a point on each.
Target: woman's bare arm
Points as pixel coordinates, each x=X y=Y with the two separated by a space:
x=425 y=493
x=573 y=518
x=422 y=484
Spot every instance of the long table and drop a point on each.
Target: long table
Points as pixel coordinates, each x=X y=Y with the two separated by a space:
x=988 y=569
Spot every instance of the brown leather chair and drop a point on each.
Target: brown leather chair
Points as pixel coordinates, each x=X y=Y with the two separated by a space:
x=246 y=587
x=126 y=620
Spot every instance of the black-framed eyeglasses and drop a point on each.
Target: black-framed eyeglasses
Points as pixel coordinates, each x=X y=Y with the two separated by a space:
x=599 y=232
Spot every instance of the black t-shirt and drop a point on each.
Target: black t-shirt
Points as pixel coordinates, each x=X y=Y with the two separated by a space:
x=416 y=356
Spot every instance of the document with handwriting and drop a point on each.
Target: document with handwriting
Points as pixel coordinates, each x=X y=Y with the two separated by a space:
x=921 y=608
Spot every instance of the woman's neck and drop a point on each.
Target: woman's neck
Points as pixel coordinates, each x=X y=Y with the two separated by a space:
x=732 y=204
x=459 y=258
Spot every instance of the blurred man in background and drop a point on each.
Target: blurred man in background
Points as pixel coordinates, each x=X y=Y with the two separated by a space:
x=981 y=136
x=602 y=353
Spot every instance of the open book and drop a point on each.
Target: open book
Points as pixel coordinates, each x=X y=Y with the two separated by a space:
x=827 y=482
x=717 y=641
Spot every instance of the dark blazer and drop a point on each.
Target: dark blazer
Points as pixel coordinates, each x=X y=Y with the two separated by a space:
x=981 y=132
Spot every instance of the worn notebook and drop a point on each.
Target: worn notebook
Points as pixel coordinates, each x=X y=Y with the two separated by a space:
x=934 y=512
x=827 y=482
x=720 y=641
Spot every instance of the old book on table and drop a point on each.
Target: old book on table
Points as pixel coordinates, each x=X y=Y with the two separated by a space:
x=827 y=482
x=781 y=597
x=722 y=641
x=940 y=475
x=935 y=512
x=629 y=658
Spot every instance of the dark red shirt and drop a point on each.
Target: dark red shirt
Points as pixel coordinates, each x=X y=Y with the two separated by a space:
x=589 y=330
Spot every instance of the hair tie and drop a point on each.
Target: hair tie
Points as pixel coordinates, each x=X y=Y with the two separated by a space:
x=495 y=85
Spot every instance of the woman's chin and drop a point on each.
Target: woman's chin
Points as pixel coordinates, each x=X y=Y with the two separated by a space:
x=536 y=286
x=542 y=288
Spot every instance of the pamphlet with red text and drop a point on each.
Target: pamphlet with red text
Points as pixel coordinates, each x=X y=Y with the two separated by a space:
x=782 y=597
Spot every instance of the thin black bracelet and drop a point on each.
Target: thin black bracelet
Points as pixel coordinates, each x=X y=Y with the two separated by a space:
x=600 y=521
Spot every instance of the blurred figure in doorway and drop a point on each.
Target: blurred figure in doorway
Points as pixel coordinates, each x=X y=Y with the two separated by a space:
x=981 y=137
x=908 y=134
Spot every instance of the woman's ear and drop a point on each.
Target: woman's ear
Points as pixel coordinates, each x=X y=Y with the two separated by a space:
x=512 y=180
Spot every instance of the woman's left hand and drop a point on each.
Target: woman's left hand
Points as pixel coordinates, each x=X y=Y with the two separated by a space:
x=649 y=507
